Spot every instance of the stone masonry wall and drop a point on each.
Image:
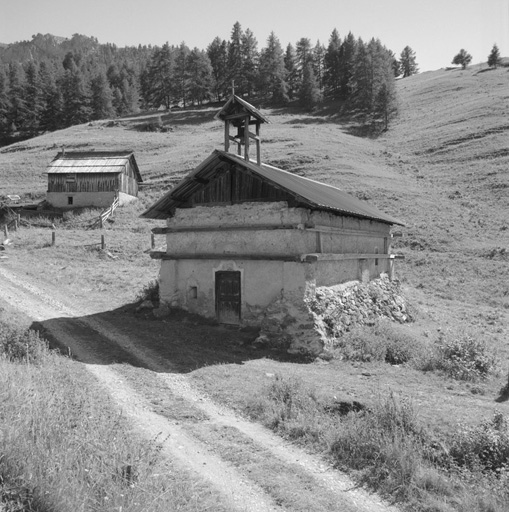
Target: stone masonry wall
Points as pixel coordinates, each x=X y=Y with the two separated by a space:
x=314 y=323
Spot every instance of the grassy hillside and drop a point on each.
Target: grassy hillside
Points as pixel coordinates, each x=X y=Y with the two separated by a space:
x=441 y=168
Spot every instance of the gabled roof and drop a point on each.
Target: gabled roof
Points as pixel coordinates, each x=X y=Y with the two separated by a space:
x=67 y=162
x=308 y=193
x=236 y=105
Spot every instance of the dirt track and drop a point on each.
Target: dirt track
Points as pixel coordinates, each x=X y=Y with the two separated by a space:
x=98 y=342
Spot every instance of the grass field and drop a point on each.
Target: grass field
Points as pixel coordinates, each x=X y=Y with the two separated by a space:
x=441 y=168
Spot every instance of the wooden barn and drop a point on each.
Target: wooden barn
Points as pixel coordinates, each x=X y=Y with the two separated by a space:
x=78 y=179
x=243 y=235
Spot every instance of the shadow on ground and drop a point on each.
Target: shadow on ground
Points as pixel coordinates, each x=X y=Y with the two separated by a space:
x=179 y=343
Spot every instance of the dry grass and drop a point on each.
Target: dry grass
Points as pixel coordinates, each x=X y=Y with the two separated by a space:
x=65 y=447
x=442 y=168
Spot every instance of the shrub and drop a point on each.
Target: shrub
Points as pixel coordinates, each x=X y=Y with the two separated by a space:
x=382 y=342
x=464 y=357
x=149 y=292
x=486 y=445
x=21 y=344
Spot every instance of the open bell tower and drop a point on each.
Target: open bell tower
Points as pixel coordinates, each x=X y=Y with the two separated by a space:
x=242 y=116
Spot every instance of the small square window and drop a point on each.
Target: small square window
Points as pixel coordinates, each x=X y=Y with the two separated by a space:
x=193 y=292
x=70 y=200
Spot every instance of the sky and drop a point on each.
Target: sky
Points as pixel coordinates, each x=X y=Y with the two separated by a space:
x=435 y=29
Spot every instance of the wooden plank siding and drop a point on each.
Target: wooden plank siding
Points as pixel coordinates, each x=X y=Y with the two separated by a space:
x=94 y=182
x=231 y=186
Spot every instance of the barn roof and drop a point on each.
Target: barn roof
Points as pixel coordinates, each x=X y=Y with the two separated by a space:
x=308 y=193
x=87 y=162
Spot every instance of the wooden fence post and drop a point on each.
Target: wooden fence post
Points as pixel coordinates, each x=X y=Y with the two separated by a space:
x=103 y=244
x=6 y=231
x=53 y=237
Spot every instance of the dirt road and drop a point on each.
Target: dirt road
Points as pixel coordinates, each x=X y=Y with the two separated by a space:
x=196 y=440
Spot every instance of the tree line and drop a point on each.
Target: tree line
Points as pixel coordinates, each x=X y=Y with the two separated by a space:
x=50 y=85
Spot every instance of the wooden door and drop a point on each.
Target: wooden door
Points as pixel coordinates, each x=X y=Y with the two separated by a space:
x=228 y=297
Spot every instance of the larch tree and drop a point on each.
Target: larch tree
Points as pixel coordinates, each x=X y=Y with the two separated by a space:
x=347 y=64
x=407 y=61
x=309 y=91
x=32 y=98
x=463 y=58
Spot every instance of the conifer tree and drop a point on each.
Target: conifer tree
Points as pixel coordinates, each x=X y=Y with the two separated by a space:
x=332 y=66
x=318 y=58
x=218 y=56
x=347 y=64
x=4 y=104
x=291 y=70
x=494 y=57
x=200 y=76
x=181 y=74
x=75 y=96
x=157 y=82
x=250 y=58
x=51 y=113
x=101 y=99
x=17 y=111
x=32 y=99
x=407 y=62
x=309 y=92
x=272 y=70
x=235 y=58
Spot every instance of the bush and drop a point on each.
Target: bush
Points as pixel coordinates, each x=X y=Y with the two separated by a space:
x=22 y=345
x=486 y=445
x=149 y=292
x=464 y=357
x=382 y=342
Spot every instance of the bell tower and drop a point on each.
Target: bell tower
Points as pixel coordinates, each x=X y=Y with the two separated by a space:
x=240 y=115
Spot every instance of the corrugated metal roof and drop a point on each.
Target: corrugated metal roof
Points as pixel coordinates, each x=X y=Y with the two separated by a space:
x=314 y=194
x=93 y=162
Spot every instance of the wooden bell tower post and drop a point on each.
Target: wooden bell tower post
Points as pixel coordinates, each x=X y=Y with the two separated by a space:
x=240 y=115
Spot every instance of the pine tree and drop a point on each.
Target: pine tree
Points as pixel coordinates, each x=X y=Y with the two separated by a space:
x=218 y=56
x=51 y=114
x=347 y=64
x=291 y=70
x=200 y=76
x=407 y=62
x=494 y=57
x=181 y=74
x=309 y=92
x=303 y=55
x=318 y=60
x=250 y=58
x=235 y=58
x=463 y=58
x=272 y=70
x=332 y=66
x=75 y=96
x=101 y=99
x=32 y=99
x=17 y=111
x=157 y=82
x=4 y=104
